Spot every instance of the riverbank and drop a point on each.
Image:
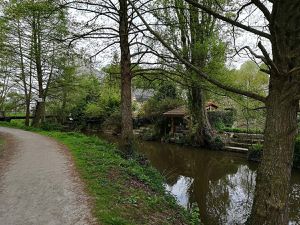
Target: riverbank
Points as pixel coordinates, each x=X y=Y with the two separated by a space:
x=123 y=191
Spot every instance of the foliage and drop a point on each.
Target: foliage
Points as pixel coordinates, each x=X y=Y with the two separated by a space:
x=113 y=122
x=107 y=103
x=255 y=152
x=217 y=143
x=165 y=91
x=48 y=126
x=166 y=98
x=250 y=113
x=221 y=119
x=297 y=153
x=73 y=94
x=154 y=108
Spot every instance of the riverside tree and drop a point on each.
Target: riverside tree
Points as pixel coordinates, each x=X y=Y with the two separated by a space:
x=116 y=23
x=196 y=37
x=34 y=38
x=282 y=103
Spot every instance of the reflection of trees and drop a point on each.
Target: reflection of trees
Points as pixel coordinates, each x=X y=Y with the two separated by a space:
x=229 y=199
x=217 y=201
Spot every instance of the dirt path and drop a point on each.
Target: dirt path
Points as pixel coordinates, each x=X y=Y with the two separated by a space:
x=39 y=185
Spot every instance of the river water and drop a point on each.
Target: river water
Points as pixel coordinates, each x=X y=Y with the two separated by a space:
x=221 y=183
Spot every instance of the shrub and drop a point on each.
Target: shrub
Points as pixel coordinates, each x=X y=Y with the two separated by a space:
x=255 y=153
x=47 y=126
x=242 y=130
x=297 y=153
x=113 y=122
x=221 y=119
x=154 y=108
x=217 y=143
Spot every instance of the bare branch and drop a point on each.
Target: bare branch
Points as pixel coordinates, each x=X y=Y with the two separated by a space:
x=228 y=20
x=196 y=69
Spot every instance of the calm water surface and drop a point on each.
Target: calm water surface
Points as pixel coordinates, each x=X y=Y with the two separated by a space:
x=221 y=183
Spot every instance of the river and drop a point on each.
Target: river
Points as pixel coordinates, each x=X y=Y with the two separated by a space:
x=221 y=183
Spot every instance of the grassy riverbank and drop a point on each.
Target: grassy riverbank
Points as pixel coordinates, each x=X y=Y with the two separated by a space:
x=124 y=192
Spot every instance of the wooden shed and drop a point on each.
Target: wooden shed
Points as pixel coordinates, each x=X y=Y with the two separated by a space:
x=177 y=117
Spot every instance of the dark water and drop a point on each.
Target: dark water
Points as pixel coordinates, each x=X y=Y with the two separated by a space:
x=221 y=183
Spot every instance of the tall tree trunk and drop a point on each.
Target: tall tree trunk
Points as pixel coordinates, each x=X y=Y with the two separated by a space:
x=203 y=134
x=27 y=115
x=126 y=77
x=62 y=117
x=39 y=115
x=23 y=76
x=273 y=177
x=37 y=45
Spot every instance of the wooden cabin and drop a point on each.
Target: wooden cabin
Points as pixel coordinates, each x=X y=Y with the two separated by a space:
x=179 y=118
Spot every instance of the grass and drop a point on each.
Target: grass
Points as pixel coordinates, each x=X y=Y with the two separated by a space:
x=123 y=191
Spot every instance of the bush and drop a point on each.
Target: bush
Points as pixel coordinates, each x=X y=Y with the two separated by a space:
x=217 y=143
x=242 y=130
x=113 y=122
x=297 y=153
x=221 y=119
x=255 y=153
x=154 y=108
x=51 y=126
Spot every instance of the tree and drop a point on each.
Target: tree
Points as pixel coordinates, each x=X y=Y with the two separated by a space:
x=200 y=39
x=126 y=78
x=46 y=19
x=273 y=177
x=35 y=28
x=123 y=30
x=5 y=70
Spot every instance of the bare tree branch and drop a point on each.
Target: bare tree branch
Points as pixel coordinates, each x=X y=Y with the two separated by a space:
x=196 y=69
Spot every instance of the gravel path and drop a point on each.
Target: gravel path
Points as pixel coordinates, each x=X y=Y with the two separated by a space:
x=39 y=185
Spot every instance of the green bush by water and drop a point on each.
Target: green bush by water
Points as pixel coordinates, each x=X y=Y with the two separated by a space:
x=255 y=152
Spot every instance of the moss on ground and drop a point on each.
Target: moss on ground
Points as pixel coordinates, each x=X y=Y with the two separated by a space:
x=123 y=191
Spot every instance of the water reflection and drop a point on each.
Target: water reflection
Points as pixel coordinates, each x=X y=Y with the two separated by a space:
x=181 y=190
x=222 y=184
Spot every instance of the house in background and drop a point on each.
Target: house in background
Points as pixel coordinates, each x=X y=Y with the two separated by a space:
x=210 y=106
x=142 y=95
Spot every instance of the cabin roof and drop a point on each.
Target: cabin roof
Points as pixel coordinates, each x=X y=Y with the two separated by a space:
x=180 y=111
x=212 y=105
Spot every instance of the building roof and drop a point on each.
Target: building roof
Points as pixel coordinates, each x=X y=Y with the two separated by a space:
x=212 y=105
x=178 y=112
x=182 y=110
